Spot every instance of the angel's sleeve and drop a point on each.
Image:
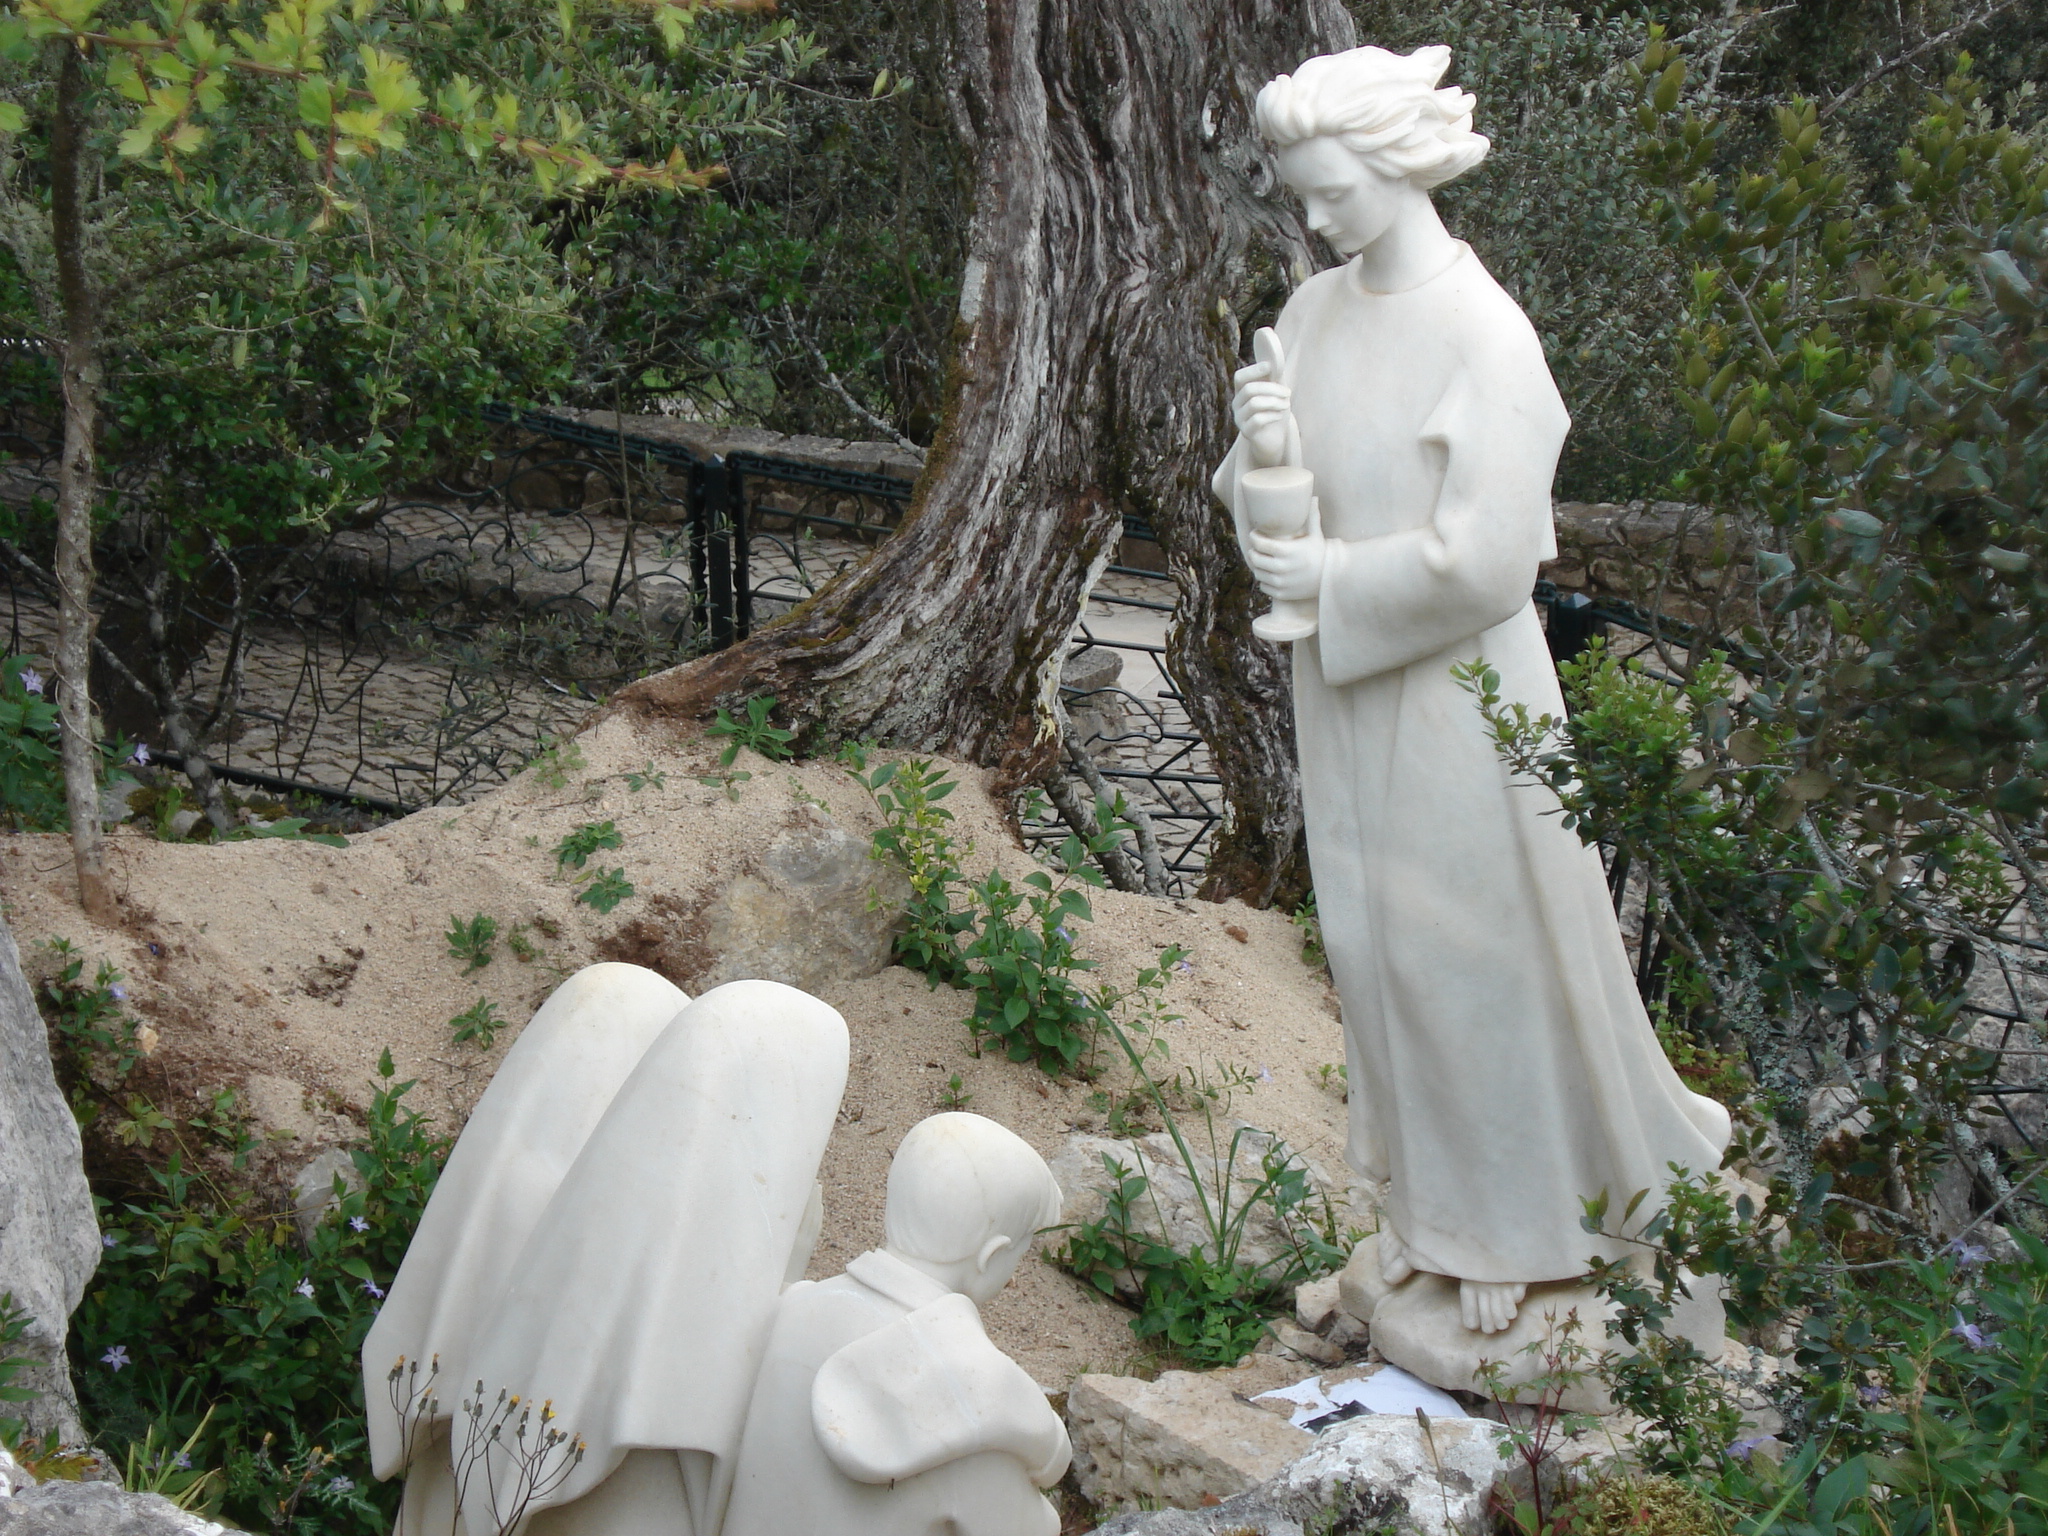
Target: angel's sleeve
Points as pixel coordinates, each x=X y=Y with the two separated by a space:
x=1391 y=601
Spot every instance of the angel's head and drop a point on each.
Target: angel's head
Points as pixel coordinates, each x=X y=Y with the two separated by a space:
x=1361 y=132
x=965 y=1198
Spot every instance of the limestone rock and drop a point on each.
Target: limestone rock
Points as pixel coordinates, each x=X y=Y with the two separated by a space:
x=313 y=1193
x=13 y=1475
x=1317 y=1301
x=1187 y=1436
x=49 y=1239
x=98 y=1509
x=814 y=911
x=1380 y=1472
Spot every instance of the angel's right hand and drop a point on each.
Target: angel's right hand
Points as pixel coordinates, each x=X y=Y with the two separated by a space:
x=1263 y=411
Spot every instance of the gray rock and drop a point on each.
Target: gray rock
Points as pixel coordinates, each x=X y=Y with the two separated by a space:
x=98 y=1509
x=1091 y=667
x=115 y=798
x=815 y=912
x=313 y=1193
x=49 y=1239
x=1380 y=1472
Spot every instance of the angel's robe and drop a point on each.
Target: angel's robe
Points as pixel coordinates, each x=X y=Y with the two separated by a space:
x=882 y=1409
x=1502 y=1067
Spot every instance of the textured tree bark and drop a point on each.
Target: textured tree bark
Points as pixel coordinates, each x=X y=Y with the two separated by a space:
x=1124 y=223
x=79 y=365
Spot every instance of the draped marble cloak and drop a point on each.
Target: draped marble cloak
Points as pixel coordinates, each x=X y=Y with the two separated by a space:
x=1502 y=1067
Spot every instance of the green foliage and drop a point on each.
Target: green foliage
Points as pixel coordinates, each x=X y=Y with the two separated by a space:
x=1208 y=1305
x=31 y=780
x=576 y=847
x=557 y=762
x=478 y=1023
x=915 y=838
x=14 y=1322
x=1021 y=971
x=98 y=1044
x=472 y=941
x=754 y=733
x=646 y=778
x=1911 y=1401
x=1309 y=924
x=605 y=890
x=210 y=1326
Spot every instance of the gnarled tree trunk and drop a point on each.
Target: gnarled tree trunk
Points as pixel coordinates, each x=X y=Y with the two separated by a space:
x=1125 y=223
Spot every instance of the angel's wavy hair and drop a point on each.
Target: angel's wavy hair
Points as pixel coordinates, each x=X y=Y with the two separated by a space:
x=1385 y=107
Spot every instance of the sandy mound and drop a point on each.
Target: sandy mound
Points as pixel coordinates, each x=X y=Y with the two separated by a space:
x=285 y=968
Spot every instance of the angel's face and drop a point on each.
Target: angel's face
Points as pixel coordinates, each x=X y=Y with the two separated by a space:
x=1349 y=203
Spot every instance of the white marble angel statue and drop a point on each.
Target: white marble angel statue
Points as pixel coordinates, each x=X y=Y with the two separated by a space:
x=634 y=1297
x=882 y=1409
x=1502 y=1067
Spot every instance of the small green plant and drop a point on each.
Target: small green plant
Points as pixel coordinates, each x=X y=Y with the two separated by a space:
x=729 y=781
x=14 y=1323
x=559 y=759
x=153 y=1467
x=479 y=1023
x=606 y=889
x=1309 y=924
x=954 y=1096
x=916 y=838
x=472 y=941
x=1021 y=972
x=649 y=777
x=1539 y=1427
x=576 y=847
x=524 y=950
x=753 y=733
x=1333 y=1074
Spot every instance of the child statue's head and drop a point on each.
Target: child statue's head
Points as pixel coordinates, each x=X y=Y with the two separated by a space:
x=965 y=1197
x=1359 y=131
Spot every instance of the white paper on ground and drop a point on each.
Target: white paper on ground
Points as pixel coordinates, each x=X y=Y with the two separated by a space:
x=1388 y=1390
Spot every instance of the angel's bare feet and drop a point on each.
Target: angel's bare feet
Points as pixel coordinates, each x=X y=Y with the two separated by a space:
x=1488 y=1306
x=1394 y=1264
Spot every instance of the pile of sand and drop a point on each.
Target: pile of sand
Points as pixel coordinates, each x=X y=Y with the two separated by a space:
x=284 y=969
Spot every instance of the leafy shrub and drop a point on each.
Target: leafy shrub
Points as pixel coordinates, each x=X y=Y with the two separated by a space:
x=210 y=1325
x=31 y=778
x=915 y=838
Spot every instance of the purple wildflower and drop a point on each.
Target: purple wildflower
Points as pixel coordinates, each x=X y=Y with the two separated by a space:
x=1061 y=930
x=304 y=1288
x=375 y=1290
x=357 y=1224
x=1870 y=1393
x=140 y=756
x=107 y=1239
x=31 y=680
x=340 y=1484
x=1969 y=1255
x=117 y=1357
x=1185 y=965
x=1265 y=1074
x=118 y=993
x=182 y=1462
x=1970 y=1333
x=1741 y=1449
